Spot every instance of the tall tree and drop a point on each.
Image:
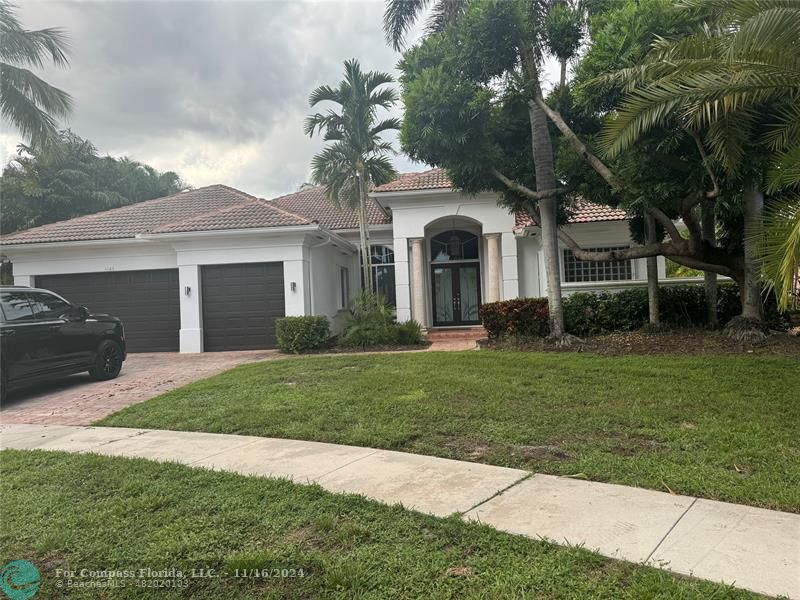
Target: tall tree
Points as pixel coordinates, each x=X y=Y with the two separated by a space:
x=27 y=102
x=490 y=44
x=357 y=156
x=735 y=83
x=68 y=178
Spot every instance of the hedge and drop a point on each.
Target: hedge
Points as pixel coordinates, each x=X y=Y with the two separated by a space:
x=593 y=313
x=301 y=334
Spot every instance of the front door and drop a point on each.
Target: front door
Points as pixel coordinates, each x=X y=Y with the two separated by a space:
x=456 y=294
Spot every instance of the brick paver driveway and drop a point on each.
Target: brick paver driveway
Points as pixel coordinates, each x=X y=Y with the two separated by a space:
x=77 y=400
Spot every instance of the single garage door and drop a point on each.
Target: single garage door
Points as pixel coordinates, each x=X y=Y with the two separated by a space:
x=146 y=301
x=240 y=305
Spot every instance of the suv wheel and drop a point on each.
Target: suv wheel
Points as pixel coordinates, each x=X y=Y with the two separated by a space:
x=108 y=362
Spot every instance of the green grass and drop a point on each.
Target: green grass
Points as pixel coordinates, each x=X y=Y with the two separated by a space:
x=76 y=512
x=717 y=427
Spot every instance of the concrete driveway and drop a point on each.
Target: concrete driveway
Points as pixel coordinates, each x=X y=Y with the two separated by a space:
x=77 y=400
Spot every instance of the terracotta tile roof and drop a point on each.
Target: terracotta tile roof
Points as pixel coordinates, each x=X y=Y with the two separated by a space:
x=313 y=203
x=435 y=179
x=207 y=208
x=582 y=212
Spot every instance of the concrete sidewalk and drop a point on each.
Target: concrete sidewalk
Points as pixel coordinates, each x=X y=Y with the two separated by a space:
x=748 y=547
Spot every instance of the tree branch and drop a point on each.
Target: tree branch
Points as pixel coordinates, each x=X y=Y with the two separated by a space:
x=695 y=263
x=525 y=191
x=666 y=223
x=578 y=145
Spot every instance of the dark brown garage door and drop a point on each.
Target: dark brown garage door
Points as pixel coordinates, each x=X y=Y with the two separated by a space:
x=146 y=301
x=240 y=305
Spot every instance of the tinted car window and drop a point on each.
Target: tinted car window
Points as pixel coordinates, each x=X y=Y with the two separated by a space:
x=48 y=306
x=16 y=307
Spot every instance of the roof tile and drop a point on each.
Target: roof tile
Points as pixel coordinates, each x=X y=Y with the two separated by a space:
x=313 y=203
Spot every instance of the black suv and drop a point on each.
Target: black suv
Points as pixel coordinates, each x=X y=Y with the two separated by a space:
x=42 y=336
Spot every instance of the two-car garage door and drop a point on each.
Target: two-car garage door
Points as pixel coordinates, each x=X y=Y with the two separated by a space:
x=240 y=304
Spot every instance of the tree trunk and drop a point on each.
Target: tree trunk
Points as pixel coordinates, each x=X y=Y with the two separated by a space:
x=363 y=229
x=548 y=209
x=710 y=278
x=563 y=73
x=652 y=274
x=749 y=326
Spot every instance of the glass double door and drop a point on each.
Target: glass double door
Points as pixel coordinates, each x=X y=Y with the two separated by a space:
x=456 y=294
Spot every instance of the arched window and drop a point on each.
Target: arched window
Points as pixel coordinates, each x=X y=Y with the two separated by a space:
x=454 y=245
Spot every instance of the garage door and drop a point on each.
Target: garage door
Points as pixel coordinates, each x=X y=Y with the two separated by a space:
x=240 y=305
x=146 y=301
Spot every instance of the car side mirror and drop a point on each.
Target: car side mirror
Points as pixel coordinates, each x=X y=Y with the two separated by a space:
x=78 y=313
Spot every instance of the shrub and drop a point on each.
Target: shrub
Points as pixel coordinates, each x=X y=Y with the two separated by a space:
x=520 y=317
x=409 y=333
x=594 y=313
x=301 y=334
x=372 y=323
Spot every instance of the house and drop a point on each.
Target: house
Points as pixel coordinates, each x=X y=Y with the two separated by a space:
x=212 y=268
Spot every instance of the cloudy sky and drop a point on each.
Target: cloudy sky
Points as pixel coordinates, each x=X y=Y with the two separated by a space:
x=216 y=91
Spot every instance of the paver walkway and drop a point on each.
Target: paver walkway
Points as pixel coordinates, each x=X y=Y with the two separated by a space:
x=77 y=400
x=749 y=547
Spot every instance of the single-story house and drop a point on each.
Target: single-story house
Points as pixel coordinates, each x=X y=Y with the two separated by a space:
x=212 y=268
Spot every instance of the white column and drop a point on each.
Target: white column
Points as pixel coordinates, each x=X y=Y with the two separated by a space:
x=510 y=266
x=493 y=267
x=402 y=287
x=191 y=335
x=418 y=281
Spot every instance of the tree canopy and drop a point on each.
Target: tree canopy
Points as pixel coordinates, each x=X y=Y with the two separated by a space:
x=69 y=178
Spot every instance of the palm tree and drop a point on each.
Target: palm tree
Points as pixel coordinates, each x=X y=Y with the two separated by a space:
x=357 y=157
x=735 y=82
x=26 y=101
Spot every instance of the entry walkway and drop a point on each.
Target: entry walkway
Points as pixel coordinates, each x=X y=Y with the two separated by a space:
x=748 y=547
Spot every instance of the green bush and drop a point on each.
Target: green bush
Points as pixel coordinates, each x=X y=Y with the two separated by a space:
x=301 y=334
x=409 y=333
x=519 y=317
x=594 y=313
x=372 y=323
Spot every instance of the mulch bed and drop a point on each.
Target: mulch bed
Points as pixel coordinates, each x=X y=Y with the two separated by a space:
x=672 y=341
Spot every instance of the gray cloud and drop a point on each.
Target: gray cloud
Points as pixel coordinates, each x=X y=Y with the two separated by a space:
x=216 y=91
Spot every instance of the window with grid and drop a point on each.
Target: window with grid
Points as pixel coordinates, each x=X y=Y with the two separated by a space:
x=382 y=260
x=581 y=271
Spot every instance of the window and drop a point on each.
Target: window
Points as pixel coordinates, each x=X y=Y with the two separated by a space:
x=454 y=245
x=381 y=259
x=47 y=306
x=580 y=271
x=344 y=287
x=16 y=307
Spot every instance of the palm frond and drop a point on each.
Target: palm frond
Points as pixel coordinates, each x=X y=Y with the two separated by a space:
x=780 y=248
x=399 y=17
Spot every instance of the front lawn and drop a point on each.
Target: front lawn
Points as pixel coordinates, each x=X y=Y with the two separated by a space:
x=722 y=427
x=91 y=513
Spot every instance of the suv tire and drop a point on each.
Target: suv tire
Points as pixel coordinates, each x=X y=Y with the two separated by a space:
x=107 y=362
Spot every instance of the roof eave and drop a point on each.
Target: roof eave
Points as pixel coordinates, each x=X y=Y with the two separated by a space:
x=182 y=235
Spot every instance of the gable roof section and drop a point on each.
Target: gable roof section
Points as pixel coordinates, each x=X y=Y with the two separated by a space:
x=434 y=179
x=215 y=207
x=313 y=203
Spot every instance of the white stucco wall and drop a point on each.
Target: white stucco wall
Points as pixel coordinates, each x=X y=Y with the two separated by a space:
x=187 y=255
x=533 y=278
